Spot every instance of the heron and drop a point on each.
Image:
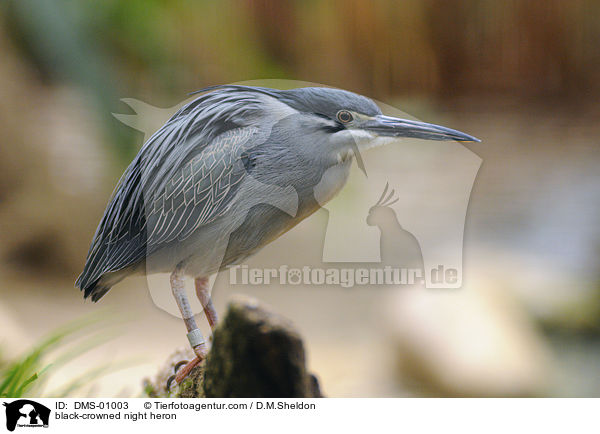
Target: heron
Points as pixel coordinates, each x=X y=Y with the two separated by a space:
x=189 y=188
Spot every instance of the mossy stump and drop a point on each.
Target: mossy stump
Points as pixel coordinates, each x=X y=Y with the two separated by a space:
x=254 y=353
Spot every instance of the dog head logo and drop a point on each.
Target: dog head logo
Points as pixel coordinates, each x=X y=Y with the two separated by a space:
x=26 y=413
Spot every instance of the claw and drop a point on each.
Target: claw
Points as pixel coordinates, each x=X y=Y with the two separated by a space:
x=179 y=365
x=185 y=371
x=169 y=382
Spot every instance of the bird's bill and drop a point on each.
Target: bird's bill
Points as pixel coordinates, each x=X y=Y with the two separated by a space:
x=395 y=127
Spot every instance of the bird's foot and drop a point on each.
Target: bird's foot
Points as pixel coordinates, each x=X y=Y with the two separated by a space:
x=185 y=370
x=181 y=373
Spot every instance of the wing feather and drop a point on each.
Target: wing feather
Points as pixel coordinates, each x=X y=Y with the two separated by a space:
x=184 y=177
x=177 y=201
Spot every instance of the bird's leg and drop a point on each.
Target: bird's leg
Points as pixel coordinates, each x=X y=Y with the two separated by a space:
x=203 y=293
x=194 y=334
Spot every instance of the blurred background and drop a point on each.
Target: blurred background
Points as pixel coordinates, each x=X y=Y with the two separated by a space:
x=524 y=76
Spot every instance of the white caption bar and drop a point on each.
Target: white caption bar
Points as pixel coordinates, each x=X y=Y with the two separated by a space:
x=45 y=415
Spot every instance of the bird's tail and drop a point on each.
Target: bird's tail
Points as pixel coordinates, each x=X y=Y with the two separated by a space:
x=97 y=291
x=98 y=288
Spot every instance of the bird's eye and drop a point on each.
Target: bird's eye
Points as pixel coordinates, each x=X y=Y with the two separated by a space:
x=344 y=116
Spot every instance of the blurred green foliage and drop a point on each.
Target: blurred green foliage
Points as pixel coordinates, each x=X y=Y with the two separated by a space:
x=27 y=375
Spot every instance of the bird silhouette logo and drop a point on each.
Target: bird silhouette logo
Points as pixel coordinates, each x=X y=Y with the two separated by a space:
x=399 y=247
x=26 y=413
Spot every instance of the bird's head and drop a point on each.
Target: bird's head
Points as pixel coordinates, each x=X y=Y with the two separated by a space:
x=350 y=122
x=324 y=126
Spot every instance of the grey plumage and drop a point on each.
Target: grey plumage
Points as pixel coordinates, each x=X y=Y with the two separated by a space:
x=164 y=174
x=183 y=187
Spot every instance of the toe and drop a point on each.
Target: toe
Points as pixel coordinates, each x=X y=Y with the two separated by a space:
x=183 y=372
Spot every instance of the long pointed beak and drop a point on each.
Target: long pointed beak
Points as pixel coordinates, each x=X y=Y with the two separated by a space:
x=396 y=127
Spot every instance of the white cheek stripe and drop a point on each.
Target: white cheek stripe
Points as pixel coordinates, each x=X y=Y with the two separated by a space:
x=366 y=140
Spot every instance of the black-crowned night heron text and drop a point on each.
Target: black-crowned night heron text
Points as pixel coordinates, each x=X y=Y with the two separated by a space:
x=183 y=193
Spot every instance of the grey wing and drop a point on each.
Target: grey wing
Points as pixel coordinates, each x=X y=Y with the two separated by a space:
x=166 y=194
x=200 y=191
